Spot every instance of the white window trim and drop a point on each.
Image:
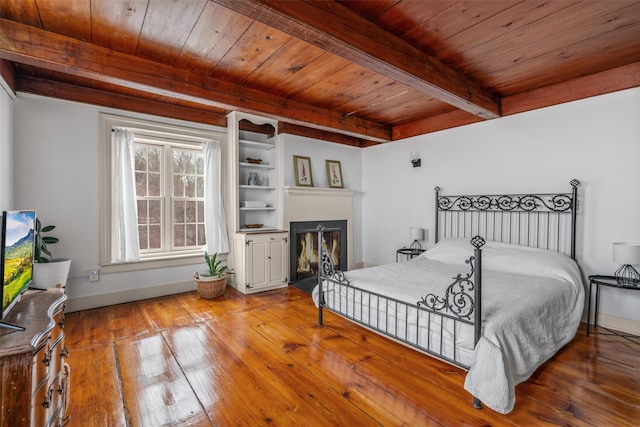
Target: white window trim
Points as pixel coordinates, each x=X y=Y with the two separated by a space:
x=155 y=129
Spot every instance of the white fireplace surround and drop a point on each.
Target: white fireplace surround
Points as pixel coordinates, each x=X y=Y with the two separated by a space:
x=320 y=204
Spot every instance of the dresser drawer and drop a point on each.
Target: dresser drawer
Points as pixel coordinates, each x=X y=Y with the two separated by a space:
x=59 y=326
x=56 y=396
x=40 y=367
x=41 y=405
x=55 y=351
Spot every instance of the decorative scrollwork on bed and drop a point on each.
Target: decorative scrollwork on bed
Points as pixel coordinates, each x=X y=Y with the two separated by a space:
x=458 y=298
x=327 y=266
x=542 y=220
x=519 y=202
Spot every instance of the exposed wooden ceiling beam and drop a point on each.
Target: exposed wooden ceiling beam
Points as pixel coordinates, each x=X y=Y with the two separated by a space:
x=434 y=124
x=336 y=29
x=613 y=80
x=39 y=48
x=110 y=99
x=158 y=107
x=291 y=129
x=7 y=77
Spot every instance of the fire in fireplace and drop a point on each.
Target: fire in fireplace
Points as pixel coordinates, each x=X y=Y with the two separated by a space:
x=304 y=247
x=307 y=259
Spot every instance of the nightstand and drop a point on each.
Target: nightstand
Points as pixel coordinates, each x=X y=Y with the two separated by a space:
x=408 y=253
x=611 y=282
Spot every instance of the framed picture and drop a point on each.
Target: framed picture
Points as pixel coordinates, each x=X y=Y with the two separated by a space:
x=334 y=174
x=302 y=167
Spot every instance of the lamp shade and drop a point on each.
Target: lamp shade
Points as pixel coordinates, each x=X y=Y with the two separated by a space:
x=416 y=233
x=626 y=253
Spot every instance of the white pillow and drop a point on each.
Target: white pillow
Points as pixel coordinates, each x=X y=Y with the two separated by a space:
x=508 y=258
x=454 y=251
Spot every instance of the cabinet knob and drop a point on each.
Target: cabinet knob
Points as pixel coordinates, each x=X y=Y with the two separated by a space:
x=47 y=399
x=47 y=357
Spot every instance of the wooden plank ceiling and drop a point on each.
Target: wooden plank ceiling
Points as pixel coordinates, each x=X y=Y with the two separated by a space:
x=351 y=71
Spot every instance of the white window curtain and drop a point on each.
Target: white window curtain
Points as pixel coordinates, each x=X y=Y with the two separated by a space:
x=126 y=246
x=215 y=222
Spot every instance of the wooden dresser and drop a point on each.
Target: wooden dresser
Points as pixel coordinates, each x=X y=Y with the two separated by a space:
x=35 y=377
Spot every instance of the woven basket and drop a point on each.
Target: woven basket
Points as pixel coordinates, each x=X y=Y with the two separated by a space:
x=211 y=288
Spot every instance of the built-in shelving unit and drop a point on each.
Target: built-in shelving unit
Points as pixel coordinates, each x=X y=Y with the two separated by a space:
x=259 y=245
x=260 y=148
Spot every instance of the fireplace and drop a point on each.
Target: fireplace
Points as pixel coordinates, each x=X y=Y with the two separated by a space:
x=303 y=259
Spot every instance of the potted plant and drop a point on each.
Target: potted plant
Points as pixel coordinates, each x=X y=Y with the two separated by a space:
x=213 y=282
x=48 y=272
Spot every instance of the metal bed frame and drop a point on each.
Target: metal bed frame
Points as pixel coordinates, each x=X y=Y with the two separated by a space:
x=540 y=220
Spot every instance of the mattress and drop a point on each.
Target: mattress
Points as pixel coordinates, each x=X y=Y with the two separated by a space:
x=532 y=303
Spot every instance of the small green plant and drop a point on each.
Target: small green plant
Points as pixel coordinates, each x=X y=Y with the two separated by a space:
x=41 y=249
x=215 y=267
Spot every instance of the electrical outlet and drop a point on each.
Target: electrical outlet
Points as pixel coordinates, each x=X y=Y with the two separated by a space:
x=94 y=275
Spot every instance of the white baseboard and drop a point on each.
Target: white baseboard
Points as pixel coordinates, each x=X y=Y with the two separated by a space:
x=103 y=300
x=357 y=266
x=366 y=265
x=621 y=324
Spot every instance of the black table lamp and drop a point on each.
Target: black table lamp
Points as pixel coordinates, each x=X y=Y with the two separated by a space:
x=416 y=234
x=627 y=254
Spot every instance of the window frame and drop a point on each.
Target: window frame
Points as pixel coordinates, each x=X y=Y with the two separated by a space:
x=167 y=197
x=182 y=136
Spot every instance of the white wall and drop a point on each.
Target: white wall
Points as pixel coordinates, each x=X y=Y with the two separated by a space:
x=318 y=151
x=596 y=140
x=56 y=173
x=6 y=151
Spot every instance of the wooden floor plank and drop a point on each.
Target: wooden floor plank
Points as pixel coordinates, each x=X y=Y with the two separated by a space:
x=261 y=359
x=156 y=392
x=231 y=392
x=86 y=328
x=164 y=313
x=95 y=387
x=126 y=321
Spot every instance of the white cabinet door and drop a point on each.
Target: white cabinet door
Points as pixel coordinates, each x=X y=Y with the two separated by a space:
x=267 y=261
x=257 y=263
x=278 y=252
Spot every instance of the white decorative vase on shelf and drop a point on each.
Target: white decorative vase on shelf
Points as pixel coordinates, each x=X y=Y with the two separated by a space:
x=50 y=274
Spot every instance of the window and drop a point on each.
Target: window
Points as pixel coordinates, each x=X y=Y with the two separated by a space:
x=170 y=196
x=169 y=177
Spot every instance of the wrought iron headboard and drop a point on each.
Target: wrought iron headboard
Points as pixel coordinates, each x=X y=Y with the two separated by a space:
x=546 y=221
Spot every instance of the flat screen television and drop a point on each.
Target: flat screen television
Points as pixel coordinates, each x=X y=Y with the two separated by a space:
x=16 y=259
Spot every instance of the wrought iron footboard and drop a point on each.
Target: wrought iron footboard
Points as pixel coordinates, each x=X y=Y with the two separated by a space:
x=421 y=325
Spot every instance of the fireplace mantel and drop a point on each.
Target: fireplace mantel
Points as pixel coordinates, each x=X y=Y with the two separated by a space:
x=319 y=191
x=320 y=204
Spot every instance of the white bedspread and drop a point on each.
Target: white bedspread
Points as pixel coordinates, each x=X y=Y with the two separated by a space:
x=532 y=303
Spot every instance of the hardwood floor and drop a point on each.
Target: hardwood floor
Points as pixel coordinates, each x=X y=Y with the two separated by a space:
x=253 y=360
